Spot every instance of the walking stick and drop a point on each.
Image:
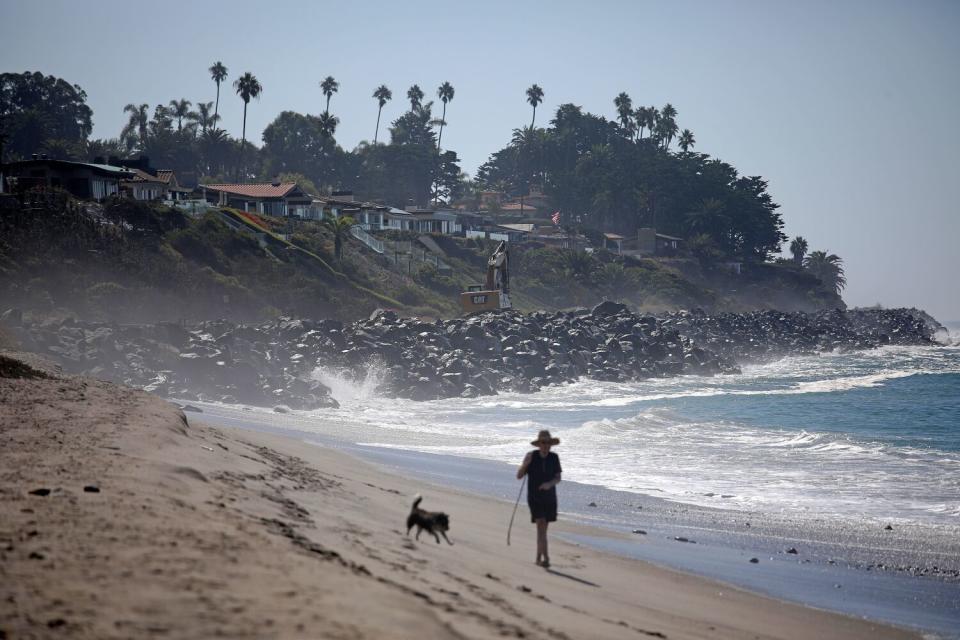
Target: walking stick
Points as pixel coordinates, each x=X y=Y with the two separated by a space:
x=517 y=504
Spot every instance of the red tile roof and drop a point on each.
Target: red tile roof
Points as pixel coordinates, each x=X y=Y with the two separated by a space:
x=255 y=190
x=164 y=175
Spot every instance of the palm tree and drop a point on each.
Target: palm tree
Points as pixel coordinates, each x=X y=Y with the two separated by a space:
x=686 y=140
x=534 y=97
x=666 y=129
x=624 y=106
x=445 y=93
x=382 y=94
x=828 y=268
x=707 y=218
x=329 y=86
x=640 y=118
x=104 y=148
x=577 y=265
x=667 y=125
x=219 y=73
x=798 y=247
x=415 y=96
x=203 y=116
x=339 y=227
x=162 y=121
x=214 y=144
x=179 y=110
x=328 y=124
x=614 y=277
x=137 y=124
x=247 y=86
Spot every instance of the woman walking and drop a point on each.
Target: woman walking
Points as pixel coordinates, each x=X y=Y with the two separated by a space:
x=542 y=467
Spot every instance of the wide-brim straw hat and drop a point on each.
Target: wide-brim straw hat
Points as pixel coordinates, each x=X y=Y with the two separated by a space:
x=545 y=436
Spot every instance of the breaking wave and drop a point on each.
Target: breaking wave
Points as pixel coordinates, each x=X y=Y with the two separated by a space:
x=872 y=434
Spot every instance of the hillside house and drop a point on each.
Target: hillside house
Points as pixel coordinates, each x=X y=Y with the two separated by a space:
x=175 y=192
x=518 y=209
x=268 y=198
x=512 y=232
x=85 y=180
x=149 y=184
x=144 y=186
x=613 y=242
x=430 y=221
x=650 y=243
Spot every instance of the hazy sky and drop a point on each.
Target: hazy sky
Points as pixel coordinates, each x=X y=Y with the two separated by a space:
x=850 y=109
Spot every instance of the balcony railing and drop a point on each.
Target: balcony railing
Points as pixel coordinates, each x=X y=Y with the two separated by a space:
x=357 y=232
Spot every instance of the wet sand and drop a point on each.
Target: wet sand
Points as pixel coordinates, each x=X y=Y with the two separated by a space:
x=121 y=518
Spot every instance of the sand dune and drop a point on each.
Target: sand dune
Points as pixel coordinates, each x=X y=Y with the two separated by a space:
x=160 y=526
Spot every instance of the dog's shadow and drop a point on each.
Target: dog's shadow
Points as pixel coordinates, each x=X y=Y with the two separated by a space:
x=570 y=577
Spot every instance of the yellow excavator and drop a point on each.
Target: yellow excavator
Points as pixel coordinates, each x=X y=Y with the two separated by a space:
x=495 y=292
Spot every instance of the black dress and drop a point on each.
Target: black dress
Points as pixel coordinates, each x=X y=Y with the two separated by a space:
x=543 y=504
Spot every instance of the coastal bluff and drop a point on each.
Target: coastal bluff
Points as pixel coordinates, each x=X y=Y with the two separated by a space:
x=274 y=363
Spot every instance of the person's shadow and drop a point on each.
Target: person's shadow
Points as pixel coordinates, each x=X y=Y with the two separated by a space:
x=570 y=577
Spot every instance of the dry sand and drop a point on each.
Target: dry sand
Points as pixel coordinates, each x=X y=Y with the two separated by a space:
x=200 y=532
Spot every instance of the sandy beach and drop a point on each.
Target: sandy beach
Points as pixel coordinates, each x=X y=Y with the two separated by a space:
x=122 y=517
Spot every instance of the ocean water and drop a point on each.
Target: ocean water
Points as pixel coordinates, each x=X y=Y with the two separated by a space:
x=865 y=435
x=823 y=452
x=873 y=435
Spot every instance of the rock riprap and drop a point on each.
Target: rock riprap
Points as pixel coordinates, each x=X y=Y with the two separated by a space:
x=272 y=363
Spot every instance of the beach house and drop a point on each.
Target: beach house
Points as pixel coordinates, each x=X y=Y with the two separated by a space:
x=268 y=198
x=85 y=180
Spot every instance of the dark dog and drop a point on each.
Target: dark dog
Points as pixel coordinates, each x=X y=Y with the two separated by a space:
x=431 y=521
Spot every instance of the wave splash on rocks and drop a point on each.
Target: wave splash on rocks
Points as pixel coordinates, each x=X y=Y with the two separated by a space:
x=274 y=363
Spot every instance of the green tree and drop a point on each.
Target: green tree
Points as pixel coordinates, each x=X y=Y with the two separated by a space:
x=613 y=277
x=707 y=218
x=339 y=228
x=180 y=109
x=577 y=265
x=624 y=106
x=445 y=93
x=218 y=73
x=101 y=148
x=666 y=125
x=328 y=124
x=644 y=119
x=828 y=268
x=382 y=94
x=587 y=170
x=534 y=98
x=415 y=96
x=35 y=108
x=293 y=142
x=62 y=149
x=329 y=86
x=798 y=248
x=215 y=151
x=204 y=117
x=705 y=249
x=134 y=134
x=247 y=86
x=162 y=121
x=687 y=140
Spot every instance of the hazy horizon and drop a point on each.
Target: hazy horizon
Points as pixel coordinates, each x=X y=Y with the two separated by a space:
x=848 y=111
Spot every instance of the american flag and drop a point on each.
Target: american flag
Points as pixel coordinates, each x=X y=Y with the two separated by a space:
x=555 y=217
